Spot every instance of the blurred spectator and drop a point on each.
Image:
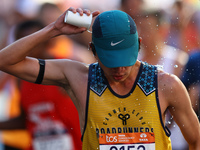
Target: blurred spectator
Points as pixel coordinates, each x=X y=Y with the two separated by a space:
x=185 y=26
x=9 y=107
x=176 y=24
x=9 y=93
x=185 y=34
x=60 y=47
x=154 y=28
x=133 y=8
x=48 y=13
x=4 y=30
x=27 y=8
x=47 y=112
x=63 y=46
x=191 y=79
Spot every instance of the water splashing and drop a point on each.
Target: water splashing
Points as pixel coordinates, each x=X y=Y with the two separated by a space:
x=175 y=66
x=89 y=31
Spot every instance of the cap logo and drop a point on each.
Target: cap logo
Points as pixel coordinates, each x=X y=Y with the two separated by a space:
x=116 y=43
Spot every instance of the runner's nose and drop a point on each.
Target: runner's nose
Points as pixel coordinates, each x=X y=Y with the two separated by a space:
x=118 y=69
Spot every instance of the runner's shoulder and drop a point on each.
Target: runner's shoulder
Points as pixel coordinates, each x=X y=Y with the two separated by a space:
x=168 y=81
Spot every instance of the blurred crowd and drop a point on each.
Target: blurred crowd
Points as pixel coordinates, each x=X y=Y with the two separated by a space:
x=37 y=117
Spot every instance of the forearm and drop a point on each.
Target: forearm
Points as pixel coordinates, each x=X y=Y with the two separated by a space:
x=13 y=57
x=196 y=144
x=17 y=51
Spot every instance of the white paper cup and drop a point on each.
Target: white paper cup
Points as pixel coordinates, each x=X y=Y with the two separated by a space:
x=77 y=20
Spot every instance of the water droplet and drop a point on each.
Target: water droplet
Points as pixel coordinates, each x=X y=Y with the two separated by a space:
x=89 y=31
x=175 y=66
x=169 y=122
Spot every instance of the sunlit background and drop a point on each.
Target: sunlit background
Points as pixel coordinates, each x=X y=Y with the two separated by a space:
x=14 y=11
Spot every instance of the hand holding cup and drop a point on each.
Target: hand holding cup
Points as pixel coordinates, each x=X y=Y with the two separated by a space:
x=62 y=26
x=78 y=20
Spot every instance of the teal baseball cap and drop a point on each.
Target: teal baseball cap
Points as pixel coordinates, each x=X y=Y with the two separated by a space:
x=115 y=38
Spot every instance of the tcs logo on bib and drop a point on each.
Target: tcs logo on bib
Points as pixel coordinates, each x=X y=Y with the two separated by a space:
x=111 y=139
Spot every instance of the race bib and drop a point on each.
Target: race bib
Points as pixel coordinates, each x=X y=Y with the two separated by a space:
x=57 y=142
x=127 y=141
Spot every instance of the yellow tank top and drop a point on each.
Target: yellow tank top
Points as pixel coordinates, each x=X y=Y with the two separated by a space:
x=128 y=122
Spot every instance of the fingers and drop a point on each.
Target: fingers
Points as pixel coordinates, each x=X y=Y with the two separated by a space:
x=79 y=30
x=83 y=11
x=95 y=13
x=86 y=11
x=72 y=9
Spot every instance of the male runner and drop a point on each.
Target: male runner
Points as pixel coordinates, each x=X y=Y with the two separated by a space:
x=121 y=101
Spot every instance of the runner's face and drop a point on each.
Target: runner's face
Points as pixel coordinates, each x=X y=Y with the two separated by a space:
x=118 y=74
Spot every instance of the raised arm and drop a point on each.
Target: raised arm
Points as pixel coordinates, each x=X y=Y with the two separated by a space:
x=13 y=57
x=176 y=96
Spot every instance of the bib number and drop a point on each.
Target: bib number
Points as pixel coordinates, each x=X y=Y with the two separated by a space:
x=128 y=147
x=127 y=141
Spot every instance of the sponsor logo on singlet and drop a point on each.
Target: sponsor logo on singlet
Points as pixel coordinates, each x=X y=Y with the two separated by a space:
x=125 y=136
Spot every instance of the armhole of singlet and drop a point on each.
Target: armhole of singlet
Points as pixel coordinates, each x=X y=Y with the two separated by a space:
x=87 y=100
x=165 y=128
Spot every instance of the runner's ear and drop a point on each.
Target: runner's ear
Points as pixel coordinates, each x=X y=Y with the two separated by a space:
x=139 y=40
x=92 y=47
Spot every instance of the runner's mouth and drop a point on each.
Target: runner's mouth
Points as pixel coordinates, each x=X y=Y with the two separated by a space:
x=117 y=77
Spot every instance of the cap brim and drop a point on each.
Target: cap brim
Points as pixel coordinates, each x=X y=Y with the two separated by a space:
x=118 y=58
